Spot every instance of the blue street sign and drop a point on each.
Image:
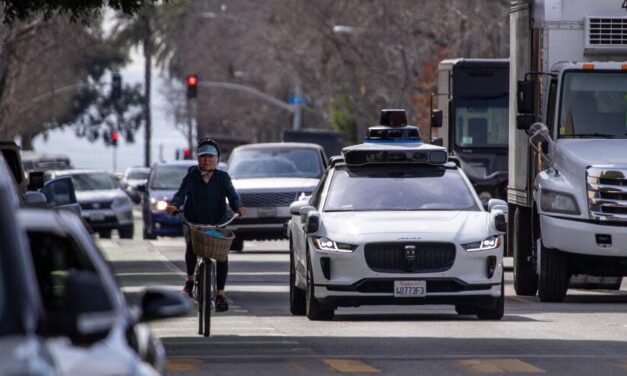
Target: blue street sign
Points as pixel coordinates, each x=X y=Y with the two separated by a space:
x=297 y=100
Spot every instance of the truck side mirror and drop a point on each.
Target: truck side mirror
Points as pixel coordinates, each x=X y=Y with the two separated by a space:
x=436 y=118
x=439 y=141
x=524 y=96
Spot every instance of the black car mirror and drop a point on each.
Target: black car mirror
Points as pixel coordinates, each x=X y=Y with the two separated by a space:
x=160 y=304
x=436 y=118
x=312 y=223
x=500 y=221
x=35 y=180
x=141 y=188
x=524 y=121
x=525 y=97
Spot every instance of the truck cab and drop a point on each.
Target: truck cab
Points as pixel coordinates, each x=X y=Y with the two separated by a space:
x=470 y=120
x=568 y=136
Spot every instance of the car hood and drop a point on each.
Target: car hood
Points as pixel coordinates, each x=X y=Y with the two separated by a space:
x=99 y=195
x=584 y=153
x=281 y=184
x=360 y=227
x=162 y=194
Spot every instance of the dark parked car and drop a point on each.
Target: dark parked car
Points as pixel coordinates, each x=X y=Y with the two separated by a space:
x=164 y=180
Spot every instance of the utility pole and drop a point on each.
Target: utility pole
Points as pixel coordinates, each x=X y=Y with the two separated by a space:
x=147 y=79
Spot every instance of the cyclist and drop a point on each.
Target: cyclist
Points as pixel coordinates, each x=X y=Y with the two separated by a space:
x=203 y=192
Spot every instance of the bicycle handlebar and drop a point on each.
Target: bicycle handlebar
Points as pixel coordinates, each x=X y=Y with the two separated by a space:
x=204 y=227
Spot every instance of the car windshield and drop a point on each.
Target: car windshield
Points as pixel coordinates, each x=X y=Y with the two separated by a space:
x=481 y=123
x=593 y=105
x=168 y=177
x=92 y=181
x=382 y=188
x=138 y=175
x=275 y=162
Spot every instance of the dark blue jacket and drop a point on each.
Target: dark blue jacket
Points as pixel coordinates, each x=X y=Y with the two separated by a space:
x=205 y=202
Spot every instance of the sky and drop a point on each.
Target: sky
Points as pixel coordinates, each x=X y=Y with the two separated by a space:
x=84 y=154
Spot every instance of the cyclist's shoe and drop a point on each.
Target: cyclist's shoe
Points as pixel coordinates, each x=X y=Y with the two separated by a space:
x=188 y=288
x=221 y=304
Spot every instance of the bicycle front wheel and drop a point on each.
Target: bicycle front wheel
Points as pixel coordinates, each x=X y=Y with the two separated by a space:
x=208 y=278
x=200 y=295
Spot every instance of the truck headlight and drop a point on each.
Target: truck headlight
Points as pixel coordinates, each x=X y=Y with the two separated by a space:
x=326 y=244
x=491 y=242
x=558 y=202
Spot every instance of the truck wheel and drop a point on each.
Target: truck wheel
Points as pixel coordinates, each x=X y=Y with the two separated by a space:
x=496 y=311
x=105 y=234
x=297 y=295
x=554 y=275
x=314 y=309
x=126 y=232
x=525 y=276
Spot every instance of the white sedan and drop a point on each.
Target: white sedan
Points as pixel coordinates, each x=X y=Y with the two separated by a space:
x=396 y=233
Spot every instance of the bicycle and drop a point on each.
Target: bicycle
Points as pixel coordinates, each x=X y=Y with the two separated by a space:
x=209 y=248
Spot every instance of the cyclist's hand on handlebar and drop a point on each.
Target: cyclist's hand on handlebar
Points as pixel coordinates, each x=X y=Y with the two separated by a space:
x=241 y=211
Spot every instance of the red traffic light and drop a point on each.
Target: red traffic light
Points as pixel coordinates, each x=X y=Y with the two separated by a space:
x=114 y=138
x=192 y=86
x=187 y=154
x=192 y=80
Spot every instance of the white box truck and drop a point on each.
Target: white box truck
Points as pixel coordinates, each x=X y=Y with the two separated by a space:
x=470 y=120
x=567 y=189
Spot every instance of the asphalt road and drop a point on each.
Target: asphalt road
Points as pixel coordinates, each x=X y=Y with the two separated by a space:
x=585 y=335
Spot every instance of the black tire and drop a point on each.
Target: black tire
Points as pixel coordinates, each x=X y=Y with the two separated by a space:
x=298 y=304
x=200 y=292
x=238 y=244
x=554 y=275
x=148 y=236
x=495 y=311
x=463 y=309
x=314 y=309
x=525 y=276
x=209 y=286
x=126 y=232
x=105 y=234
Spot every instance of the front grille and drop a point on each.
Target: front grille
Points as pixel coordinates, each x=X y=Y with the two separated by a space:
x=94 y=205
x=429 y=257
x=434 y=285
x=270 y=199
x=607 y=193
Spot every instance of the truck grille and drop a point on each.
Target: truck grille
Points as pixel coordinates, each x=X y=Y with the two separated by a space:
x=606 y=33
x=607 y=193
x=269 y=199
x=391 y=258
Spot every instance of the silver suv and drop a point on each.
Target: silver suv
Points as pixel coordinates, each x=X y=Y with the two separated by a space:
x=268 y=178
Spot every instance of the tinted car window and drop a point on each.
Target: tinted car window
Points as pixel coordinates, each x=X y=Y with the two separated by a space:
x=92 y=181
x=275 y=162
x=168 y=177
x=398 y=188
x=137 y=175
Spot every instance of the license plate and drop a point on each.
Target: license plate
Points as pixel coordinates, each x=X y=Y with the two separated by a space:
x=410 y=289
x=266 y=212
x=97 y=217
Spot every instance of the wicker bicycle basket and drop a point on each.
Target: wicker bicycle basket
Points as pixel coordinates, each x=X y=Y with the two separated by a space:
x=208 y=246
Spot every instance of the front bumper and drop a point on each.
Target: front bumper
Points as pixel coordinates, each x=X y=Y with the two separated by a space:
x=108 y=218
x=581 y=237
x=345 y=279
x=261 y=223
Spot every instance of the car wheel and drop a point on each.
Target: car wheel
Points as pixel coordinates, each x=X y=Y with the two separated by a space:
x=525 y=276
x=314 y=309
x=105 y=234
x=297 y=295
x=496 y=310
x=147 y=235
x=126 y=232
x=237 y=245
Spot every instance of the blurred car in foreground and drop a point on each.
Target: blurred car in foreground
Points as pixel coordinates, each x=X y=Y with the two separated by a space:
x=104 y=206
x=132 y=178
x=269 y=177
x=164 y=180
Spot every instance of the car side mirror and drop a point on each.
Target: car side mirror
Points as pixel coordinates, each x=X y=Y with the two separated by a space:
x=439 y=141
x=524 y=121
x=436 y=118
x=159 y=304
x=141 y=188
x=525 y=96
x=500 y=220
x=296 y=205
x=312 y=223
x=495 y=203
x=35 y=180
x=303 y=212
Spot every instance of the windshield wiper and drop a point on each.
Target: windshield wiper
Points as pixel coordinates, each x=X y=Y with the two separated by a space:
x=600 y=135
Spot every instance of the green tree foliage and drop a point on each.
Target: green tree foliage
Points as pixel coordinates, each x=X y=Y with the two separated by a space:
x=342 y=119
x=22 y=10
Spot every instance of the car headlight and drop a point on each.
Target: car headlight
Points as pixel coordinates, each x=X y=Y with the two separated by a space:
x=326 y=244
x=491 y=242
x=558 y=202
x=159 y=205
